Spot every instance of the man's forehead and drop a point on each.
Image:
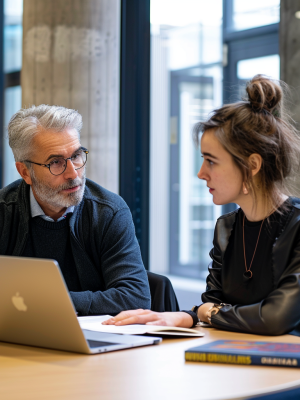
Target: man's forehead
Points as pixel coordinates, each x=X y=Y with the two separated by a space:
x=50 y=138
x=48 y=142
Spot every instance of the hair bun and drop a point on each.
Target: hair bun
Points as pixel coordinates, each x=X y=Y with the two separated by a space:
x=264 y=93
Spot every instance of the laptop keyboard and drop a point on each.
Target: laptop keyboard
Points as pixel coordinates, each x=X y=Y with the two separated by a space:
x=97 y=343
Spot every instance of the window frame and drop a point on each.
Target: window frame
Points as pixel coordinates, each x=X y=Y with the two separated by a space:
x=135 y=116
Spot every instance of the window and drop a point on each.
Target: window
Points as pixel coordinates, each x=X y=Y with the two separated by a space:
x=202 y=54
x=186 y=84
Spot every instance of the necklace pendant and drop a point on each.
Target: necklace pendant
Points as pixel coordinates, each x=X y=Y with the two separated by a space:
x=247 y=275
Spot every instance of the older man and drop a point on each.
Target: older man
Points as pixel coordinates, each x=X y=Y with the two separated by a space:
x=55 y=212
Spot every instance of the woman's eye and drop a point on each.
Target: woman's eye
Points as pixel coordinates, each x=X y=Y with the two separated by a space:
x=208 y=160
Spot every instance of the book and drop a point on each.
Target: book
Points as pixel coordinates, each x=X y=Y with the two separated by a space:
x=244 y=352
x=95 y=324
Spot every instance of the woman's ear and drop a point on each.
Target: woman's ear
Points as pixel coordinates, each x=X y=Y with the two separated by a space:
x=255 y=162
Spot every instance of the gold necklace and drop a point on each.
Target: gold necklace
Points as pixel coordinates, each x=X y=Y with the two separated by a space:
x=248 y=273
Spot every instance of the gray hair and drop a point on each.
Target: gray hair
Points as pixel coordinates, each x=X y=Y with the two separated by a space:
x=27 y=122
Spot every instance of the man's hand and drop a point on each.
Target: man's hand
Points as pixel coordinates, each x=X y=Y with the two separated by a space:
x=149 y=317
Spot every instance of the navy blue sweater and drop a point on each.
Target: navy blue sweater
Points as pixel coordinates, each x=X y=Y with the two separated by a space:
x=105 y=250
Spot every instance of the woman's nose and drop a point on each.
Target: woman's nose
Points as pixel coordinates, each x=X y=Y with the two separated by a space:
x=202 y=174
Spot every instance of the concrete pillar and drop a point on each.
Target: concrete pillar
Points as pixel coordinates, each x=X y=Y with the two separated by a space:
x=71 y=57
x=290 y=60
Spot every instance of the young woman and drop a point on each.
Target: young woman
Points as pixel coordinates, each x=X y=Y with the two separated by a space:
x=250 y=150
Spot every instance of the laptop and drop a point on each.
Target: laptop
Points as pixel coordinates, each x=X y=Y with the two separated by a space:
x=36 y=310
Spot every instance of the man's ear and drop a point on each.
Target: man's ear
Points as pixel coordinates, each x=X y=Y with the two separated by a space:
x=24 y=172
x=255 y=162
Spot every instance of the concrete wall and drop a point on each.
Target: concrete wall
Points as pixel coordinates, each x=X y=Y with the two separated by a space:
x=290 y=44
x=71 y=57
x=290 y=62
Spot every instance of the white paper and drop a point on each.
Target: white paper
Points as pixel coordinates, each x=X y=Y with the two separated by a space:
x=95 y=324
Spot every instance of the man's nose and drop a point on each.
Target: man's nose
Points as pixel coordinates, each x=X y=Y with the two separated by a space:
x=70 y=171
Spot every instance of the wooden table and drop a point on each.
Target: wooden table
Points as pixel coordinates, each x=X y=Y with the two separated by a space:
x=152 y=372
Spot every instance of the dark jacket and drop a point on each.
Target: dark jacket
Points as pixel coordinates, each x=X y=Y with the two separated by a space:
x=279 y=312
x=104 y=247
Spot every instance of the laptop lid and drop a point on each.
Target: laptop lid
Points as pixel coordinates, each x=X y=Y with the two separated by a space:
x=36 y=310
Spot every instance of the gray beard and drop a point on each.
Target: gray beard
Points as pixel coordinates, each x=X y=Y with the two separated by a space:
x=52 y=196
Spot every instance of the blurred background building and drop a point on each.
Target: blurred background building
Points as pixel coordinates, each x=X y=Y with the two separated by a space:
x=142 y=73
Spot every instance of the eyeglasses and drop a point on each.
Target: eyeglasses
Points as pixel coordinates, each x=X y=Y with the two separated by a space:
x=58 y=165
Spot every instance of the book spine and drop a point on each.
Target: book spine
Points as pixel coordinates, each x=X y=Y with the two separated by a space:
x=241 y=359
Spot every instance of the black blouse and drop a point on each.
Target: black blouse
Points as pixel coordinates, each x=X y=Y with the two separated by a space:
x=238 y=288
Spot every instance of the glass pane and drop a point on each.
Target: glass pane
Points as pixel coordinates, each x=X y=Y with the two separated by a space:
x=12 y=48
x=268 y=65
x=251 y=14
x=13 y=10
x=195 y=234
x=12 y=99
x=246 y=69
x=186 y=84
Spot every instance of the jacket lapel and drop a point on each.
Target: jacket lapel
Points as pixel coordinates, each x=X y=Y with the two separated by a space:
x=24 y=215
x=282 y=248
x=224 y=228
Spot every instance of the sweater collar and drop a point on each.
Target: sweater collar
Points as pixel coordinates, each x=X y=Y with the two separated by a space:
x=36 y=210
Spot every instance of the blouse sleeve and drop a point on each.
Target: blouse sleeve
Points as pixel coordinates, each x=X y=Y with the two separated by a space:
x=214 y=293
x=277 y=314
x=222 y=232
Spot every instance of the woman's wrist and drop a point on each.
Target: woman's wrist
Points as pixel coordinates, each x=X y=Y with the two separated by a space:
x=201 y=313
x=203 y=310
x=207 y=310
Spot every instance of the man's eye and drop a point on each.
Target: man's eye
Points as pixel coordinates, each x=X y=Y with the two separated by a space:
x=55 y=161
x=76 y=156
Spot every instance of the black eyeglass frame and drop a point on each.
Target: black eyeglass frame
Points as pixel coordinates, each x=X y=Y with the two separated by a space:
x=86 y=151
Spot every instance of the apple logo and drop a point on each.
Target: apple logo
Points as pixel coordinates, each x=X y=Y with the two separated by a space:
x=18 y=302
